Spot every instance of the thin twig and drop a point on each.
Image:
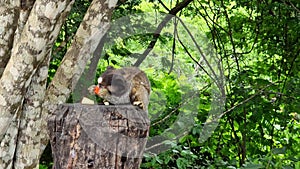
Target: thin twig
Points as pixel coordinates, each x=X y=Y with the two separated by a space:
x=186 y=50
x=230 y=36
x=291 y=4
x=180 y=105
x=219 y=84
x=174 y=45
x=246 y=100
x=166 y=8
x=159 y=28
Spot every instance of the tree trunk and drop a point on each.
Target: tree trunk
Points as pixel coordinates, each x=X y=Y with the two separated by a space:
x=98 y=136
x=91 y=31
x=27 y=54
x=28 y=30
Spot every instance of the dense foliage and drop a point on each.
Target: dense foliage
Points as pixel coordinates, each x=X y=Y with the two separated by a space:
x=258 y=46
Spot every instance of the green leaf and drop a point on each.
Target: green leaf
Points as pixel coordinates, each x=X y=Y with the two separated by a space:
x=181 y=163
x=253 y=166
x=279 y=150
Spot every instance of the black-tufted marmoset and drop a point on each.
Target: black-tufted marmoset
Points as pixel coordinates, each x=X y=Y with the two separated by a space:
x=127 y=85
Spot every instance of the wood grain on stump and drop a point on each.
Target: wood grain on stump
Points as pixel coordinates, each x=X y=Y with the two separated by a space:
x=98 y=136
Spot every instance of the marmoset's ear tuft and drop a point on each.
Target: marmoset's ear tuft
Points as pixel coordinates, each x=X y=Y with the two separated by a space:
x=110 y=68
x=100 y=79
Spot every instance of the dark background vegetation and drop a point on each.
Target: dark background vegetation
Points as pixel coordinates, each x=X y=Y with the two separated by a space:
x=258 y=44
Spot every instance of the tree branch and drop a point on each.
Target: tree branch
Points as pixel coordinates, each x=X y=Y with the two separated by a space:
x=231 y=36
x=159 y=28
x=164 y=5
x=246 y=100
x=173 y=45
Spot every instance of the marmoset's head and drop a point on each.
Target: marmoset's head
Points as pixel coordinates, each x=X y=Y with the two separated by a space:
x=111 y=83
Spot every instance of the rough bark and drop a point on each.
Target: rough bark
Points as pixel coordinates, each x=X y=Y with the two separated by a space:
x=91 y=31
x=25 y=155
x=9 y=12
x=25 y=48
x=24 y=11
x=98 y=136
x=28 y=146
x=27 y=55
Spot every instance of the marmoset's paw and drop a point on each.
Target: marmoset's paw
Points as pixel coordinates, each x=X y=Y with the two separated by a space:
x=91 y=89
x=106 y=103
x=139 y=104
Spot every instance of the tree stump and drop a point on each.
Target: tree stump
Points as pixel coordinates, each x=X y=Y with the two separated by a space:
x=98 y=136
